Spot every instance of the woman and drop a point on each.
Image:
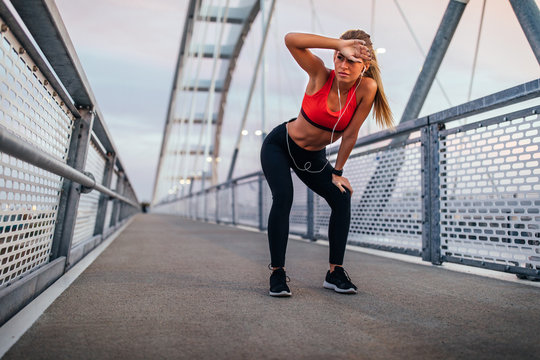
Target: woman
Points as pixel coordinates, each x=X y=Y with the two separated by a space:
x=335 y=105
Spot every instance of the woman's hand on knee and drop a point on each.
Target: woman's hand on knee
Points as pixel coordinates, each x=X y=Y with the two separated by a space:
x=342 y=182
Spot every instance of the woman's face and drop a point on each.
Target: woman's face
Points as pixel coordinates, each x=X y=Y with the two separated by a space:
x=348 y=70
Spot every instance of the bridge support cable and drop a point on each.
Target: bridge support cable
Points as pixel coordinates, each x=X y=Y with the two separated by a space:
x=419 y=46
x=476 y=50
x=211 y=95
x=528 y=14
x=251 y=89
x=263 y=79
x=434 y=59
x=372 y=22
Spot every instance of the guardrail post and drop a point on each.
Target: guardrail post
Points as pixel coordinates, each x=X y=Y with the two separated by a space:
x=205 y=202
x=431 y=240
x=104 y=199
x=261 y=220
x=71 y=192
x=123 y=206
x=310 y=215
x=116 y=205
x=218 y=188
x=233 y=202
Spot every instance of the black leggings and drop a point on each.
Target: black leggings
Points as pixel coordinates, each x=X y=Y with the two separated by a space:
x=276 y=164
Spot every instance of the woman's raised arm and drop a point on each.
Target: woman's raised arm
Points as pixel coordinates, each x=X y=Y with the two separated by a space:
x=300 y=43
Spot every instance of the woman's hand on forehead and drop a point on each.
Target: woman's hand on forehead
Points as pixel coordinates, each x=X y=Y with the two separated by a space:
x=355 y=50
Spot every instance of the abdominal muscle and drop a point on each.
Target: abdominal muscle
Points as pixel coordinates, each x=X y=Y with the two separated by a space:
x=308 y=136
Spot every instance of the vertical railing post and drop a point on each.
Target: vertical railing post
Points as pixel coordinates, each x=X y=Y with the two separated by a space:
x=217 y=204
x=205 y=204
x=116 y=204
x=123 y=206
x=101 y=225
x=310 y=215
x=71 y=192
x=260 y=202
x=426 y=191
x=431 y=240
x=233 y=202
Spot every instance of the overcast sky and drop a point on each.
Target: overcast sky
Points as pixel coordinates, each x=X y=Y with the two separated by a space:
x=128 y=49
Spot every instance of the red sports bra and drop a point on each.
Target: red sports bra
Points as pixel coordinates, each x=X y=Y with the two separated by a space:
x=315 y=108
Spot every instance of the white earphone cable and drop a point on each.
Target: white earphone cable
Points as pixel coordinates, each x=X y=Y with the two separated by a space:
x=307 y=165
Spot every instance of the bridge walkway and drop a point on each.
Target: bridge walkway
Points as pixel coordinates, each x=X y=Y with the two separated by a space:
x=170 y=288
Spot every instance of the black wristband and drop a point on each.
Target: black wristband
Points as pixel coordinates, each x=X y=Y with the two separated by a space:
x=337 y=172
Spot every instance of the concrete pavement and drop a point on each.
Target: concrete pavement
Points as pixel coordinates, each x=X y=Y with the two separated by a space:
x=170 y=288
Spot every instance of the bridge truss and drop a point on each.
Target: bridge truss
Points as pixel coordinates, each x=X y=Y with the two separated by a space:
x=214 y=33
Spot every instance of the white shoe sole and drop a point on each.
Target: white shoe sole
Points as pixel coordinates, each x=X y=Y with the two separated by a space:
x=330 y=286
x=284 y=293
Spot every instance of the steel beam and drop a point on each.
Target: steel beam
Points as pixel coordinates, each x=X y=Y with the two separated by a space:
x=434 y=58
x=529 y=18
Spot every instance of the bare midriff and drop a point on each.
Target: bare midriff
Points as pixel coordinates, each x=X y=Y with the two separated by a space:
x=308 y=136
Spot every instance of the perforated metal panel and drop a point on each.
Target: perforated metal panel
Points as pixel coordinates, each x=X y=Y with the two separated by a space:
x=29 y=196
x=211 y=205
x=225 y=205
x=88 y=203
x=490 y=193
x=388 y=210
x=247 y=203
x=200 y=206
x=299 y=210
x=108 y=213
x=193 y=202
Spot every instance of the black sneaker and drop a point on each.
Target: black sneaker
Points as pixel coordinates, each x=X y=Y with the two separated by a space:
x=278 y=283
x=339 y=281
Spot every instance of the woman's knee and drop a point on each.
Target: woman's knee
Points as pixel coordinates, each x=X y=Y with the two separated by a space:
x=340 y=200
x=282 y=199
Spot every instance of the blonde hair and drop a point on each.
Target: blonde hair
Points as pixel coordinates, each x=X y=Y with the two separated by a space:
x=381 y=109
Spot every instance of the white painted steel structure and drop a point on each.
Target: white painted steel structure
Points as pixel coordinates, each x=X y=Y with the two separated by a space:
x=214 y=34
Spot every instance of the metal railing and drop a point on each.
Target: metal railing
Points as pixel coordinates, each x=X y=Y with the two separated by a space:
x=54 y=150
x=468 y=194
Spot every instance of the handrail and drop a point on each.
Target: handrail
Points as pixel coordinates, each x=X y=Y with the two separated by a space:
x=522 y=92
x=15 y=146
